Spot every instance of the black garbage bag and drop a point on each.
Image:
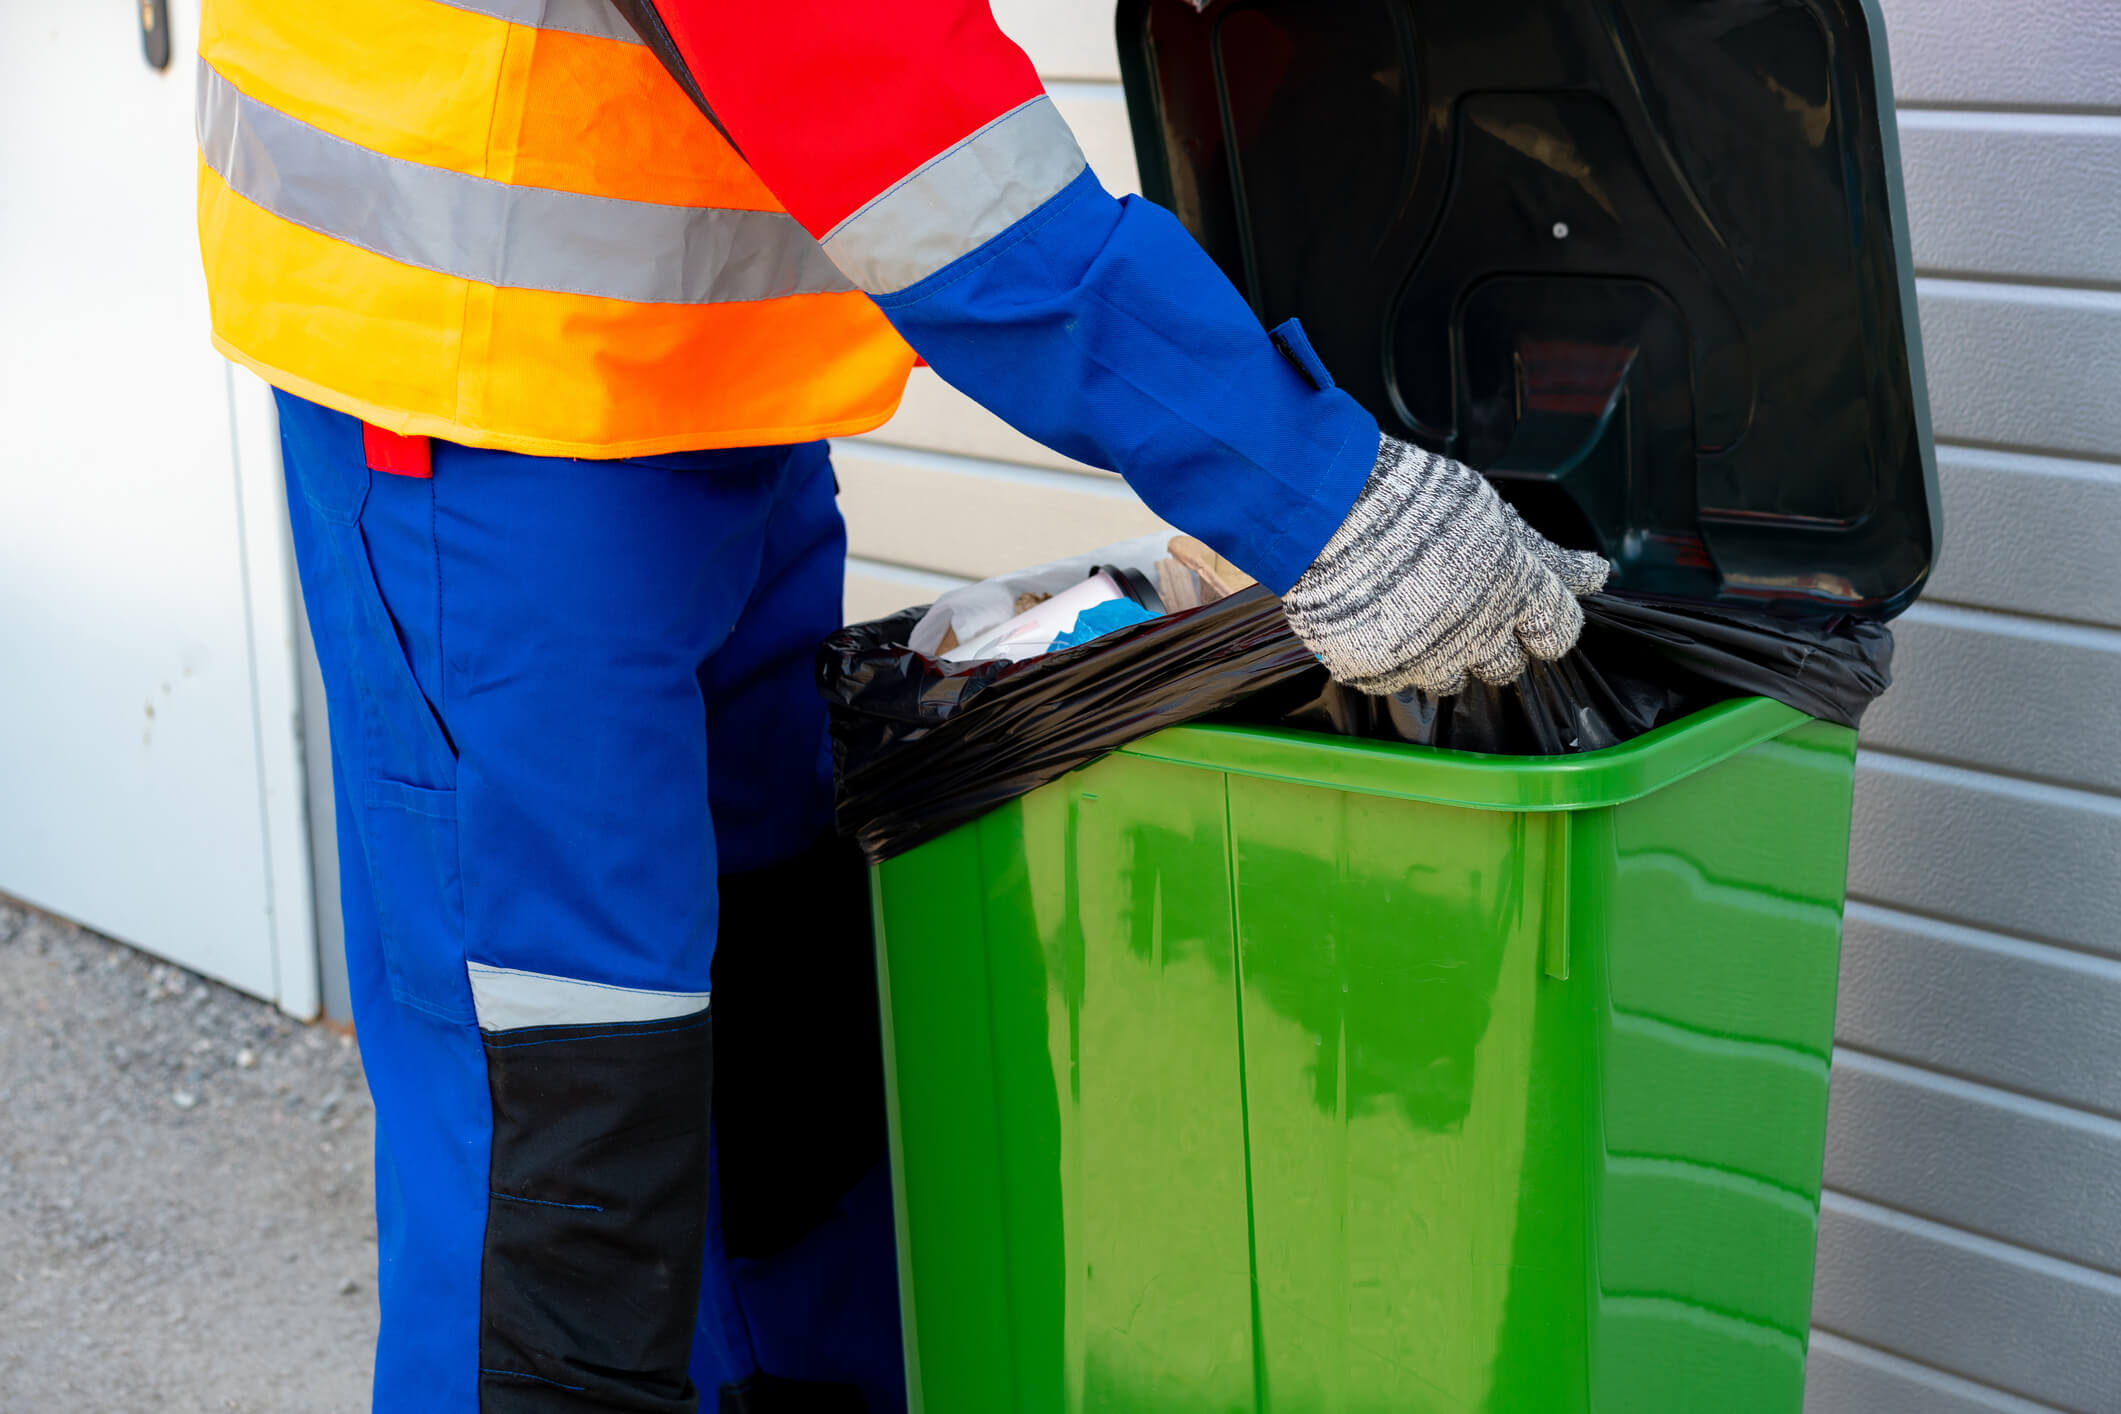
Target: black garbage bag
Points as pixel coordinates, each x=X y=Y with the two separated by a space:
x=921 y=747
x=1640 y=664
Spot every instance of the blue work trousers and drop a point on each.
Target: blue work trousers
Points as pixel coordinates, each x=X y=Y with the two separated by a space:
x=572 y=722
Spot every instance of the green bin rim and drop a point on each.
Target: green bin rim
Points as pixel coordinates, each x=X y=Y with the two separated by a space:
x=1612 y=776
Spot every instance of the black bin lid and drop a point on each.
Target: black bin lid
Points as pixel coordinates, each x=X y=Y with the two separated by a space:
x=1644 y=262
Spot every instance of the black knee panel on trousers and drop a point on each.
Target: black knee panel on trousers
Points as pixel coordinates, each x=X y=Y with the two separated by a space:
x=597 y=1223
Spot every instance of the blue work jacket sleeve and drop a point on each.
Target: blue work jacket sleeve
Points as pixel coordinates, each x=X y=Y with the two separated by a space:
x=914 y=140
x=1101 y=328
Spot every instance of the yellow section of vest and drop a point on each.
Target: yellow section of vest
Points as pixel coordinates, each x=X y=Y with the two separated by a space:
x=449 y=223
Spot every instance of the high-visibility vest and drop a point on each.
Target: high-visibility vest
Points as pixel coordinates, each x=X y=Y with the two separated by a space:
x=503 y=223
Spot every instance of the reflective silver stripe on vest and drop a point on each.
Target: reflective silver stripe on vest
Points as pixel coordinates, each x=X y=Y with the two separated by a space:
x=595 y=18
x=474 y=228
x=508 y=999
x=959 y=200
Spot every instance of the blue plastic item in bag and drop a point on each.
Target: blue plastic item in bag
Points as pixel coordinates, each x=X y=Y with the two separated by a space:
x=1099 y=620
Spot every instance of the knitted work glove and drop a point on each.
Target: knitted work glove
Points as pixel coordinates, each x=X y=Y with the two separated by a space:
x=1433 y=576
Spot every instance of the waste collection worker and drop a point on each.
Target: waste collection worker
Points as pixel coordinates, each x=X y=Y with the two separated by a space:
x=625 y=264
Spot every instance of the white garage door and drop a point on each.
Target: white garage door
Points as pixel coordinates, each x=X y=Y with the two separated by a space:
x=150 y=781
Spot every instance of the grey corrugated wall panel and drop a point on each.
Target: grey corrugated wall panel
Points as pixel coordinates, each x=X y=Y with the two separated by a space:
x=874 y=589
x=2012 y=855
x=1993 y=1313
x=1979 y=1075
x=935 y=417
x=2006 y=53
x=2026 y=1016
x=958 y=516
x=2024 y=366
x=2002 y=692
x=2019 y=1170
x=2032 y=534
x=1974 y=181
x=1846 y=1378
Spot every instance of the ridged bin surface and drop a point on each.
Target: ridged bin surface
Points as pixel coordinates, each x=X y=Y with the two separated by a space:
x=1260 y=1073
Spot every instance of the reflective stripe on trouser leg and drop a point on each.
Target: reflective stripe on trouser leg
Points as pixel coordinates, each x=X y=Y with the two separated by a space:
x=513 y=656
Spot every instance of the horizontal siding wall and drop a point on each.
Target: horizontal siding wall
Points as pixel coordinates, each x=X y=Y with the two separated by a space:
x=1970 y=1249
x=2024 y=1017
x=1987 y=1312
x=2030 y=536
x=1975 y=180
x=2006 y=55
x=1845 y=1375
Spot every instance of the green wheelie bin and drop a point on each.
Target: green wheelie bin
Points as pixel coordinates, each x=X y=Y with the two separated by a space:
x=1250 y=1070
x=1256 y=1070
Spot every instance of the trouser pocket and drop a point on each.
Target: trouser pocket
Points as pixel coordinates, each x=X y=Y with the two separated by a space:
x=597 y=1218
x=419 y=895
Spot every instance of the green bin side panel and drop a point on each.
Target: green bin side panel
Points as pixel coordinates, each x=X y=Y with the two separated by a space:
x=1219 y=1092
x=1712 y=988
x=1067 y=1087
x=1392 y=974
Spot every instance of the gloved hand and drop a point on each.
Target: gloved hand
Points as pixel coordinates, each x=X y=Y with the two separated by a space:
x=1433 y=576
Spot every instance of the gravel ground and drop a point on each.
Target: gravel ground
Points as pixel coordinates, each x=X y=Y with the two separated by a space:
x=184 y=1191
